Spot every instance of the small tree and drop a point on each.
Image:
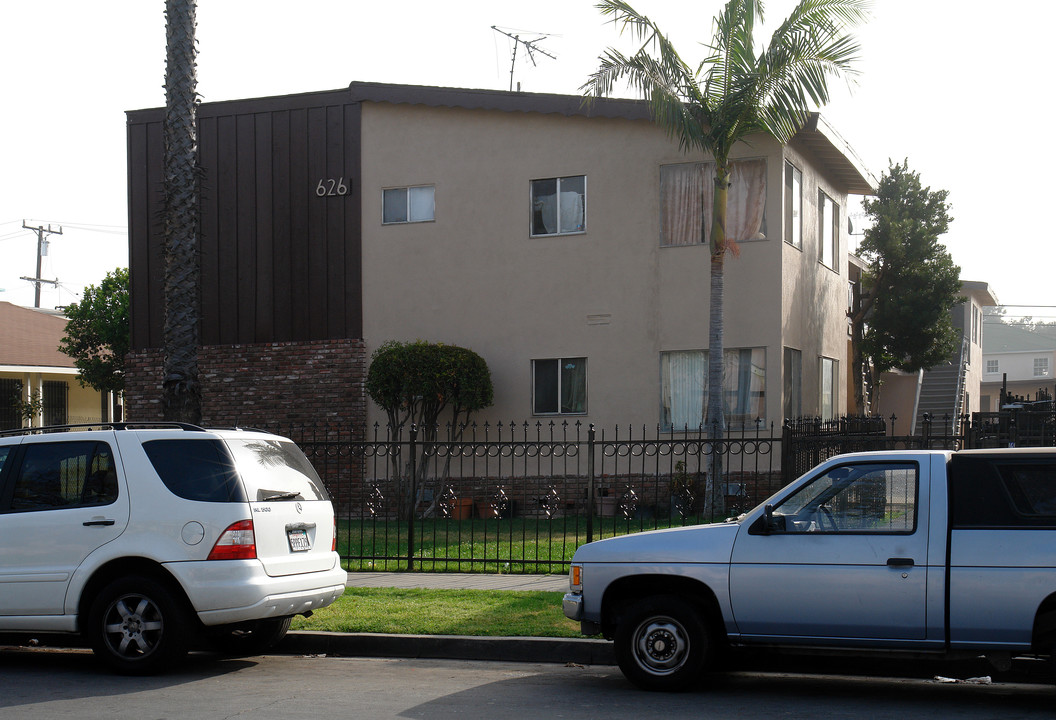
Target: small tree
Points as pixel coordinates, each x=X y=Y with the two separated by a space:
x=97 y=333
x=910 y=283
x=414 y=383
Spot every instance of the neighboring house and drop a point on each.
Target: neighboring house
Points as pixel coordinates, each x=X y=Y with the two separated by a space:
x=560 y=241
x=1019 y=360
x=952 y=389
x=31 y=368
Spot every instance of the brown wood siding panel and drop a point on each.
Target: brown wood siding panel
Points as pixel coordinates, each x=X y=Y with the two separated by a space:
x=226 y=174
x=146 y=234
x=317 y=227
x=138 y=232
x=283 y=247
x=263 y=213
x=209 y=243
x=246 y=228
x=335 y=222
x=354 y=224
x=279 y=263
x=300 y=237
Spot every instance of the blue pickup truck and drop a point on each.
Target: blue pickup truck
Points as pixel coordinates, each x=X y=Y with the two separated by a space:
x=939 y=553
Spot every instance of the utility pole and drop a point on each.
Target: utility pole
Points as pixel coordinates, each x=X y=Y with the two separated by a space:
x=37 y=280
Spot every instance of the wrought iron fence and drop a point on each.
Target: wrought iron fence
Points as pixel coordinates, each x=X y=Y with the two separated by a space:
x=522 y=497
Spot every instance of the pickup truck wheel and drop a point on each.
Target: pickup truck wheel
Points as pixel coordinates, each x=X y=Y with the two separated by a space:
x=662 y=643
x=137 y=627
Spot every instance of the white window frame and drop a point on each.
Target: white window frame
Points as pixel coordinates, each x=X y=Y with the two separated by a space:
x=409 y=216
x=792 y=392
x=993 y=367
x=560 y=389
x=794 y=206
x=580 y=230
x=732 y=391
x=828 y=388
x=702 y=199
x=1041 y=367
x=828 y=231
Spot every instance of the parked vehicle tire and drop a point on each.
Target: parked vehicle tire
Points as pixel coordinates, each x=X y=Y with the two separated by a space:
x=137 y=627
x=251 y=638
x=663 y=643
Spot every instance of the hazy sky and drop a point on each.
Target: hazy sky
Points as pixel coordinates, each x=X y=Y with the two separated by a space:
x=952 y=85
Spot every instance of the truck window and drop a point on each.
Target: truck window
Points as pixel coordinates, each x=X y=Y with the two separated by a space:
x=858 y=498
x=1002 y=492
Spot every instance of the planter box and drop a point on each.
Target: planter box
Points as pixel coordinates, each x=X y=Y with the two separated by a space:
x=461 y=508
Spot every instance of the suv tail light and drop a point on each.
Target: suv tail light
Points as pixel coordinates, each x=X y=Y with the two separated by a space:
x=236 y=543
x=333 y=545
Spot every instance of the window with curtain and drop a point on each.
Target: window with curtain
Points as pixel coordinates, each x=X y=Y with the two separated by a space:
x=828 y=230
x=829 y=384
x=408 y=205
x=559 y=205
x=559 y=386
x=684 y=387
x=793 y=383
x=686 y=196
x=793 y=206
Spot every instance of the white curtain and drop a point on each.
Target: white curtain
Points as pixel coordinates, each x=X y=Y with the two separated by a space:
x=746 y=200
x=687 y=193
x=684 y=393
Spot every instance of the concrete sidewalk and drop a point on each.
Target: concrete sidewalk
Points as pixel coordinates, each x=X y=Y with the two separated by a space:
x=581 y=651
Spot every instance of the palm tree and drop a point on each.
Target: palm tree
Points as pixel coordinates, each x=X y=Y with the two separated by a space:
x=181 y=391
x=734 y=93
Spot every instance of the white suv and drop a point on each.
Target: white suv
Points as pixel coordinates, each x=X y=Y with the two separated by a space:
x=145 y=537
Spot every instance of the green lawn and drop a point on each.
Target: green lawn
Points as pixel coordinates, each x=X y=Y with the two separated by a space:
x=444 y=612
x=520 y=545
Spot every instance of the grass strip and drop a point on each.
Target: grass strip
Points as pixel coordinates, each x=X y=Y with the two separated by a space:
x=513 y=613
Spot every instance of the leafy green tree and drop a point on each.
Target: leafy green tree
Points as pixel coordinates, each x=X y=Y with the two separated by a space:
x=97 y=333
x=902 y=320
x=734 y=93
x=182 y=394
x=415 y=382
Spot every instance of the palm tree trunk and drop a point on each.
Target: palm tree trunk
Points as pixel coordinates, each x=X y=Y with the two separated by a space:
x=181 y=390
x=716 y=423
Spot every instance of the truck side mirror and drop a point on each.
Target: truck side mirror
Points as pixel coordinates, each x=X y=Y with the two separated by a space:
x=768 y=526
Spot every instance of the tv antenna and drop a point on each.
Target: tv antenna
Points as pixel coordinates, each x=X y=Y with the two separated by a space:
x=529 y=47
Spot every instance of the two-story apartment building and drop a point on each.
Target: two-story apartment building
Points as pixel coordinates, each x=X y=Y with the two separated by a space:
x=1019 y=360
x=560 y=241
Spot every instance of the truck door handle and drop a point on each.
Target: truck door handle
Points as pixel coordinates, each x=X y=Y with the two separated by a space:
x=100 y=521
x=900 y=562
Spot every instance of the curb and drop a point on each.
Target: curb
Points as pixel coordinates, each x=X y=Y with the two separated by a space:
x=451 y=647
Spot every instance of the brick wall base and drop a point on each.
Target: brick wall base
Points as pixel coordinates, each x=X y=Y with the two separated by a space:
x=262 y=385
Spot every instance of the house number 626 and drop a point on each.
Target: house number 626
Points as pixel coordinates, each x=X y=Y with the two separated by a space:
x=331 y=187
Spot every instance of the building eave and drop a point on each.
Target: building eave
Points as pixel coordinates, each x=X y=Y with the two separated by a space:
x=838 y=157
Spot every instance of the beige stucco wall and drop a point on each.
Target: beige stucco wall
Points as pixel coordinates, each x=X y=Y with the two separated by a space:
x=475 y=277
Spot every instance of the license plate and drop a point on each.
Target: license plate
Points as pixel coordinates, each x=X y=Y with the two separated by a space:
x=299 y=541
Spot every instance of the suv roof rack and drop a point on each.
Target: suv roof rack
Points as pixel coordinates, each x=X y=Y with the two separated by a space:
x=102 y=426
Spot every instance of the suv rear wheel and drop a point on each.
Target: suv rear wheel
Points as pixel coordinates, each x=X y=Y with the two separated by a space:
x=137 y=627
